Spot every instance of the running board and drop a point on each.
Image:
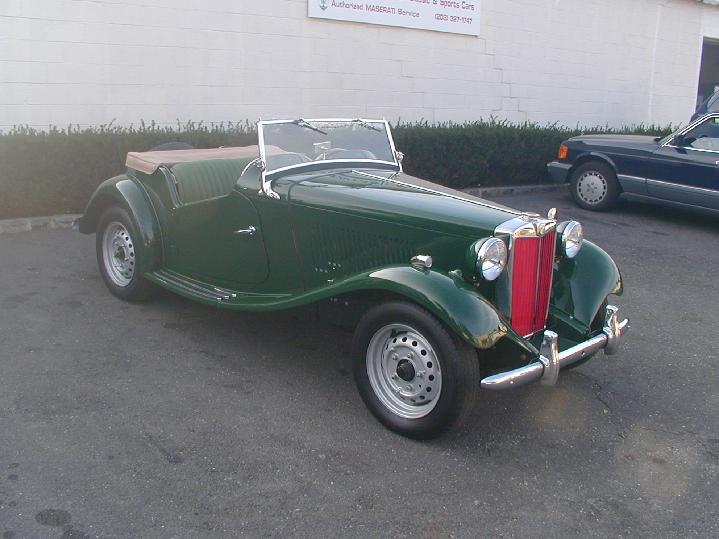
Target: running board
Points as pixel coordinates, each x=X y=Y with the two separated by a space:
x=191 y=287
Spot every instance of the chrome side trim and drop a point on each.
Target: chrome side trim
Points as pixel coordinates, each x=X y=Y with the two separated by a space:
x=689 y=148
x=680 y=187
x=632 y=184
x=550 y=360
x=653 y=199
x=630 y=178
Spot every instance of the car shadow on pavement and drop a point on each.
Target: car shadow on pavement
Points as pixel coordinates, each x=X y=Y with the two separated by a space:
x=317 y=354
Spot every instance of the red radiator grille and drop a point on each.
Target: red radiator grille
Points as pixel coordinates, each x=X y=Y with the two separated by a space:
x=533 y=264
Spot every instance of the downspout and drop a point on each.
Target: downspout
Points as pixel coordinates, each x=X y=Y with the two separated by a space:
x=650 y=101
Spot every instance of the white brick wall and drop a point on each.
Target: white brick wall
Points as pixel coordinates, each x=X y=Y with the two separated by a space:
x=583 y=62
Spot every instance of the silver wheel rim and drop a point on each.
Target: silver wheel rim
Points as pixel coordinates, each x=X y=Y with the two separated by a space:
x=118 y=254
x=592 y=187
x=404 y=371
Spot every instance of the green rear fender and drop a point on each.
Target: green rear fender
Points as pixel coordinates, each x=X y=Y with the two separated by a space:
x=126 y=193
x=582 y=284
x=456 y=303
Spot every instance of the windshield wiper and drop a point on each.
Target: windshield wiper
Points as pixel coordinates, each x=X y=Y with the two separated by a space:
x=308 y=125
x=367 y=125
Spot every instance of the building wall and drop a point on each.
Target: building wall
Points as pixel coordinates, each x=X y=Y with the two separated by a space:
x=573 y=62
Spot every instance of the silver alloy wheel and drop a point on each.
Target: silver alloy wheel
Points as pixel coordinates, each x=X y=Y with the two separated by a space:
x=592 y=187
x=404 y=371
x=118 y=254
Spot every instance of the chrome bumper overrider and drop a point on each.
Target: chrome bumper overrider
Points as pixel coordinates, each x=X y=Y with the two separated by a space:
x=551 y=360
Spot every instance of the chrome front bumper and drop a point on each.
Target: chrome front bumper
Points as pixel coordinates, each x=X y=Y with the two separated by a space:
x=551 y=360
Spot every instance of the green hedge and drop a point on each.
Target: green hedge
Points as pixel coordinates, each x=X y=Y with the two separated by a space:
x=56 y=171
x=489 y=153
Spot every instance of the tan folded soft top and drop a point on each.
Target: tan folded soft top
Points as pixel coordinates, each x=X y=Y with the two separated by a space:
x=149 y=162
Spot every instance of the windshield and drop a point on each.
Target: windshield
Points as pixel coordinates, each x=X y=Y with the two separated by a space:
x=291 y=143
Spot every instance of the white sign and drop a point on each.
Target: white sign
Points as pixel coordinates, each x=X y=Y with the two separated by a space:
x=454 y=16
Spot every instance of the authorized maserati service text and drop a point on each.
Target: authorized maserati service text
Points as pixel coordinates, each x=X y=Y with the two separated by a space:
x=454 y=16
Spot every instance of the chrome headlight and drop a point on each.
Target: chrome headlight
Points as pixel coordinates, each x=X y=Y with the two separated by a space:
x=492 y=258
x=572 y=238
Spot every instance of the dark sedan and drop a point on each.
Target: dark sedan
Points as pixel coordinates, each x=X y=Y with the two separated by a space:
x=681 y=169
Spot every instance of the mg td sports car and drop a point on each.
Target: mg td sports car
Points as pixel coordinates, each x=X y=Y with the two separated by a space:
x=447 y=293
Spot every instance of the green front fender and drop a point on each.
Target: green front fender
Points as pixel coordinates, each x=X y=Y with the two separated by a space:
x=455 y=302
x=126 y=193
x=582 y=284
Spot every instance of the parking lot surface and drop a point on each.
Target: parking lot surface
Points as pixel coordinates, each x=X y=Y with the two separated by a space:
x=172 y=419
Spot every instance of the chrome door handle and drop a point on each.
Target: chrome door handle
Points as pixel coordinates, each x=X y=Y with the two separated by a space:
x=249 y=231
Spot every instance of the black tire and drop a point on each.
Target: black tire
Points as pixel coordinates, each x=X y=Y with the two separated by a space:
x=594 y=186
x=596 y=325
x=457 y=368
x=137 y=288
x=168 y=146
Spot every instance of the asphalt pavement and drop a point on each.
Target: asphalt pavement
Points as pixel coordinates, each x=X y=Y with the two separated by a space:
x=173 y=419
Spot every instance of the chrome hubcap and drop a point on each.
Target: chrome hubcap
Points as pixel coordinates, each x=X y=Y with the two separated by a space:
x=592 y=187
x=118 y=254
x=404 y=371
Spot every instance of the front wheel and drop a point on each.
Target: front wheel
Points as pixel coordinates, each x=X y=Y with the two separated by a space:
x=594 y=186
x=414 y=376
x=119 y=259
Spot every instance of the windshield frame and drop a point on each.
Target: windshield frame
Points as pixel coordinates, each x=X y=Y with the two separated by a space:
x=666 y=141
x=268 y=176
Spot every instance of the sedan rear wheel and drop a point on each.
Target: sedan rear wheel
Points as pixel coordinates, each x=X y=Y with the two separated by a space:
x=594 y=186
x=416 y=377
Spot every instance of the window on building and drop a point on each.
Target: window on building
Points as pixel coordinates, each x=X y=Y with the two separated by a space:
x=709 y=73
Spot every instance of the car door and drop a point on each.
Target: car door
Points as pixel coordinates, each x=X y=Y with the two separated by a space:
x=686 y=168
x=219 y=240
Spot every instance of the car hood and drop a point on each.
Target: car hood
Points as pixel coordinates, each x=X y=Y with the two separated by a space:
x=399 y=199
x=627 y=141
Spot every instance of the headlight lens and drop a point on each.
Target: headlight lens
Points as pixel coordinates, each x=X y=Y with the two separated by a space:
x=572 y=239
x=492 y=258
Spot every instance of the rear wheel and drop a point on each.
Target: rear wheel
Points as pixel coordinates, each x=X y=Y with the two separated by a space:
x=418 y=379
x=118 y=257
x=594 y=186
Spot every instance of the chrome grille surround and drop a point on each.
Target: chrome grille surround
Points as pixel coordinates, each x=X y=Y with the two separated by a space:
x=526 y=225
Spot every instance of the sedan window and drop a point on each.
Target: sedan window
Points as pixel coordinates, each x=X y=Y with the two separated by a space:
x=704 y=136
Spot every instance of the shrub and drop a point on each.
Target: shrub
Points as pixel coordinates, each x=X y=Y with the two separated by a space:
x=489 y=153
x=56 y=171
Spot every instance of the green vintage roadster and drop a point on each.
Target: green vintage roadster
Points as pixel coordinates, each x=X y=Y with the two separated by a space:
x=447 y=293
